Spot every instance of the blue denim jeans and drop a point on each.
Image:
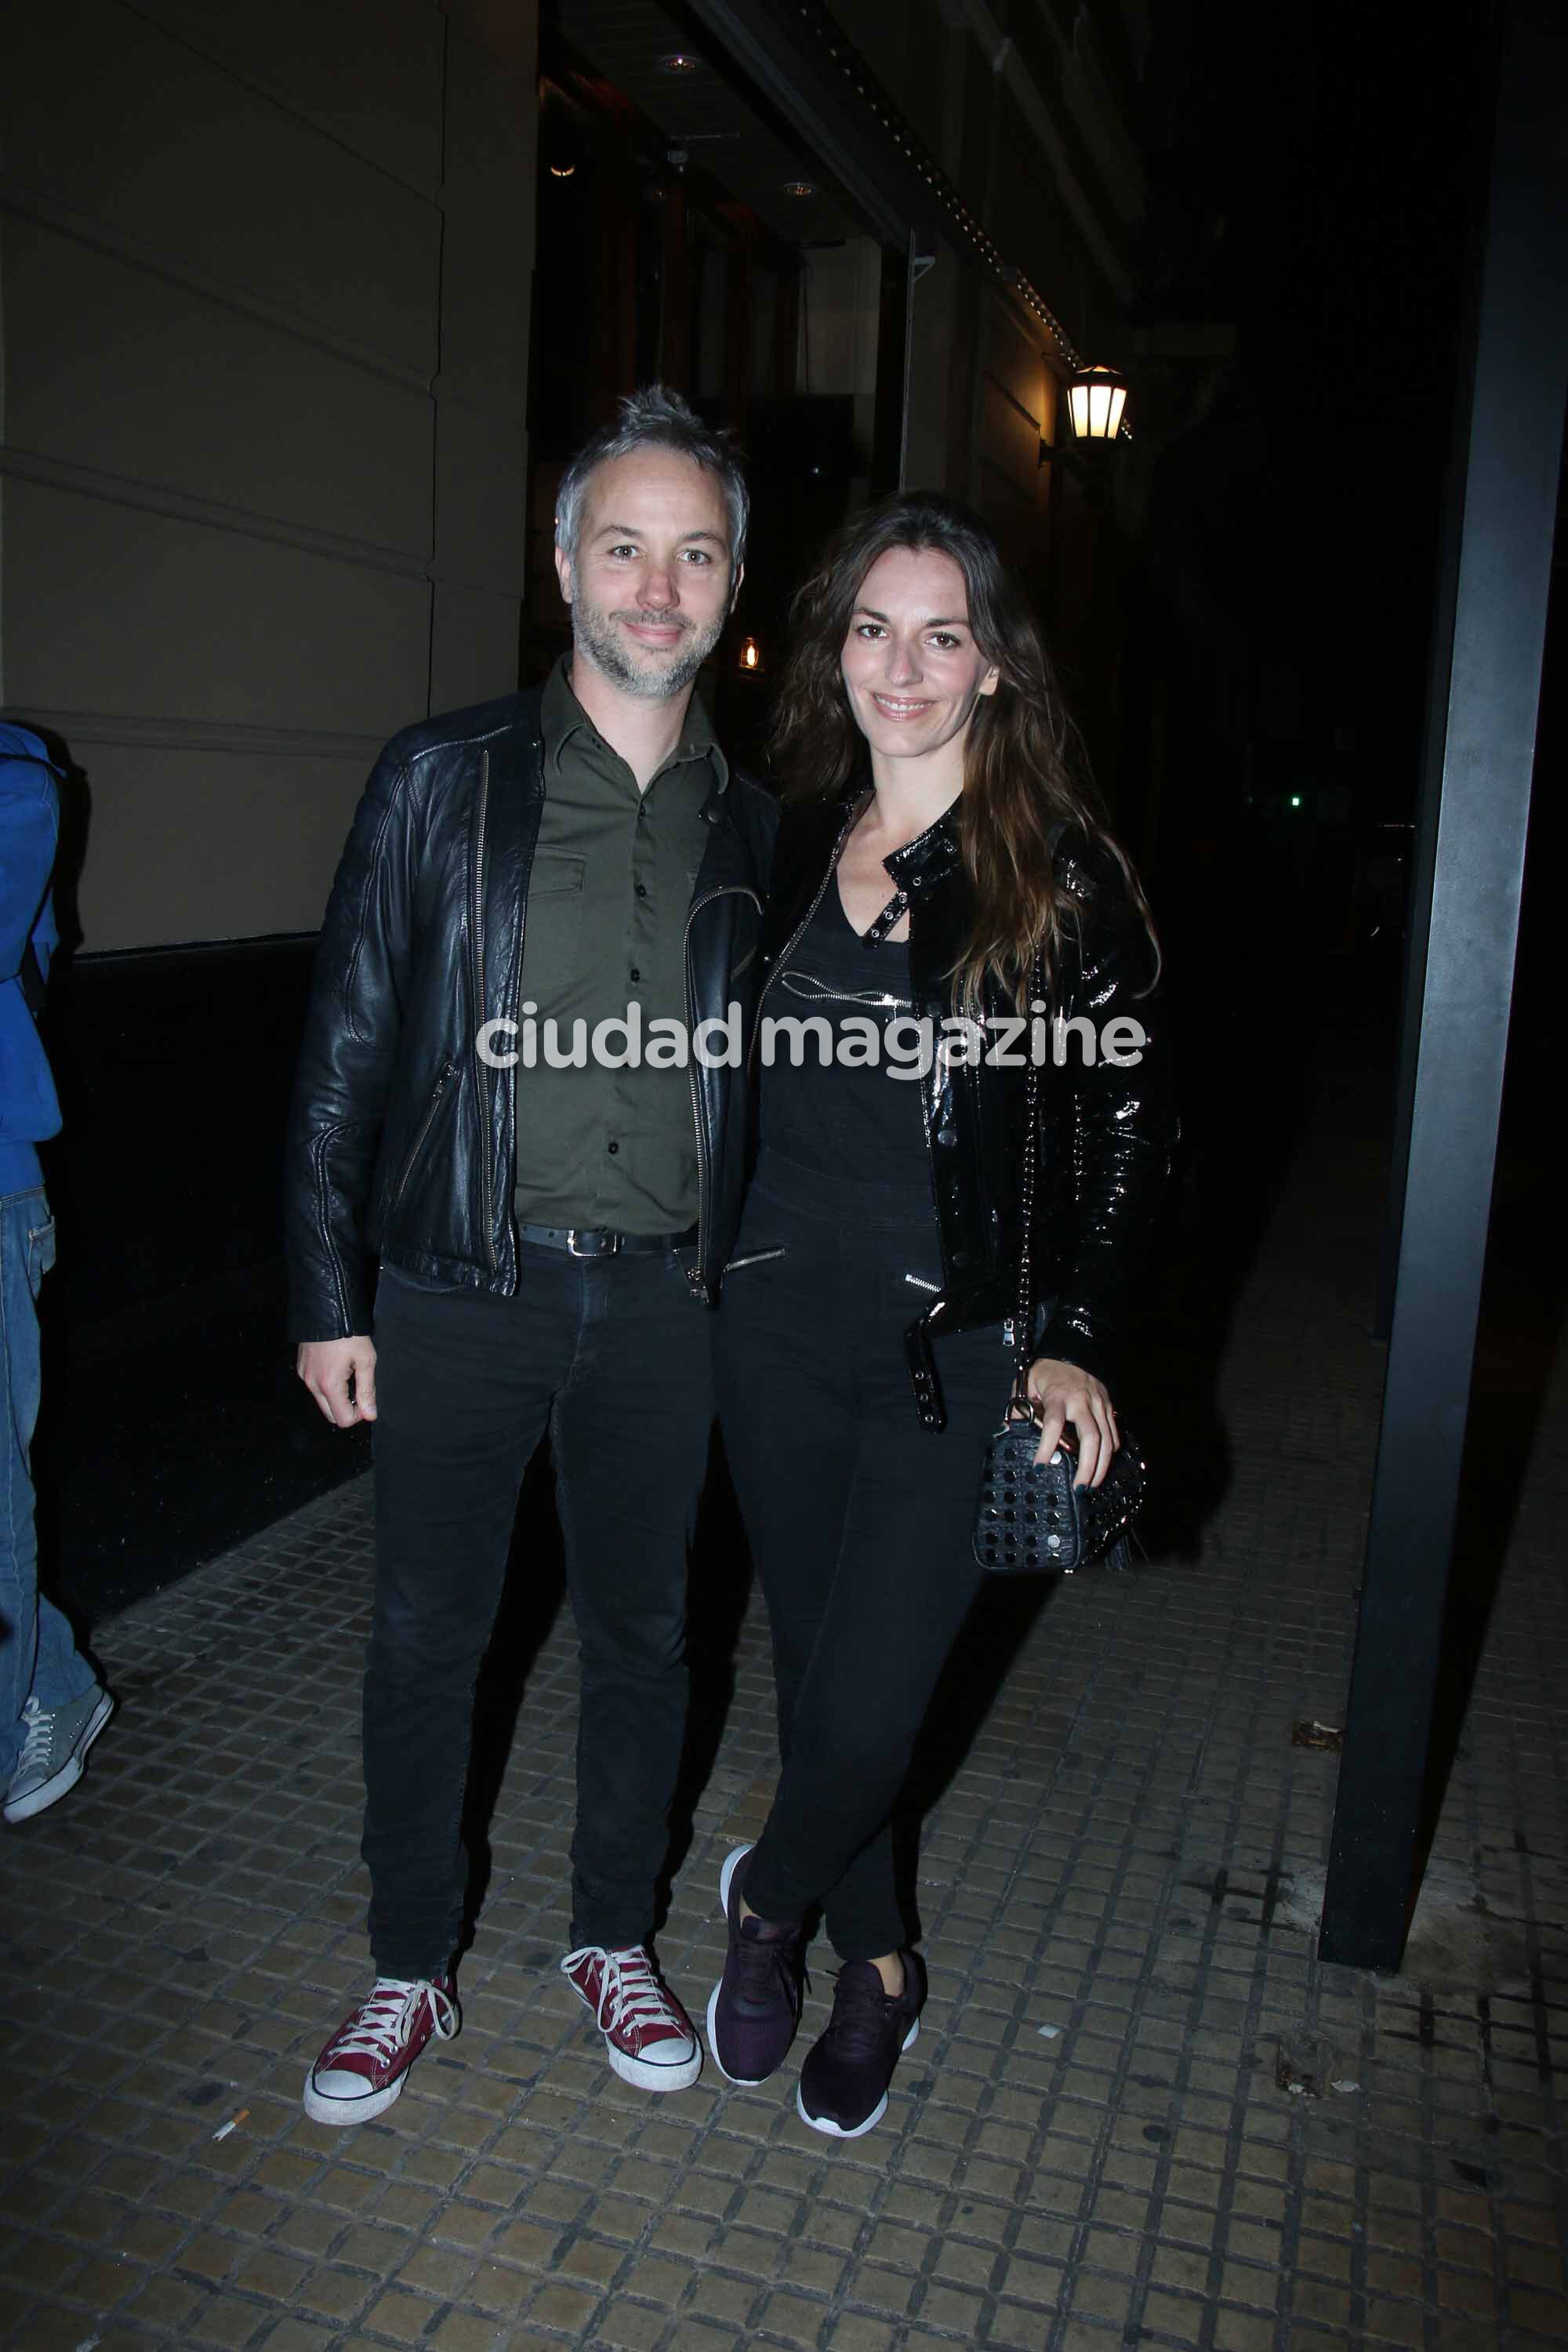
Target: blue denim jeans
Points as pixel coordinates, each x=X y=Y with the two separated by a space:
x=38 y=1658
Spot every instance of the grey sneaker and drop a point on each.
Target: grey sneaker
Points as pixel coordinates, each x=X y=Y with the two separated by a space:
x=55 y=1743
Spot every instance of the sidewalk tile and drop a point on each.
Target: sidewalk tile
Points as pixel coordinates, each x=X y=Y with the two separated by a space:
x=1114 y=1857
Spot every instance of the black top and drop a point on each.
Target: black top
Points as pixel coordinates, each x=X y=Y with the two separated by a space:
x=859 y=1116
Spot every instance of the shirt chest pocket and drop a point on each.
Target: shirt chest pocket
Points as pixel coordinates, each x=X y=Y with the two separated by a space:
x=552 y=925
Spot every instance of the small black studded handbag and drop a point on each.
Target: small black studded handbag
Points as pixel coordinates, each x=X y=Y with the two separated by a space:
x=1031 y=1520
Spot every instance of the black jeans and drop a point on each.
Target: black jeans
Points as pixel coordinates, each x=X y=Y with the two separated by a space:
x=614 y=1355
x=861 y=1521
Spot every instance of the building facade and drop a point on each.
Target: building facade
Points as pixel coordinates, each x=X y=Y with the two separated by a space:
x=302 y=308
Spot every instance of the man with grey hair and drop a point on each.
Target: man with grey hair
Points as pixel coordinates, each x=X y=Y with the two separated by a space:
x=547 y=1230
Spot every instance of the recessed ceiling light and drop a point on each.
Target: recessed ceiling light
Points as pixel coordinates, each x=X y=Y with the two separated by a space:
x=800 y=187
x=680 y=61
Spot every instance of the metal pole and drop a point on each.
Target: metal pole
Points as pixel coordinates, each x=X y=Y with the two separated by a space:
x=917 y=265
x=1519 y=380
x=909 y=362
x=1424 y=858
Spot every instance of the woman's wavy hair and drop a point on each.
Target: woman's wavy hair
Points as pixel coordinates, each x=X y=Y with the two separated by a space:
x=1023 y=765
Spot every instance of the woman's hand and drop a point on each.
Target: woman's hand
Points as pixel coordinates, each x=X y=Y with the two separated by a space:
x=1062 y=1393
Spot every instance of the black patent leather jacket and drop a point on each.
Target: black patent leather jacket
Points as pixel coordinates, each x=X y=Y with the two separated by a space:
x=402 y=1138
x=1104 y=1131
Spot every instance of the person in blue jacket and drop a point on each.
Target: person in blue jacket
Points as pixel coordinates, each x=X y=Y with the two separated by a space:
x=52 y=1706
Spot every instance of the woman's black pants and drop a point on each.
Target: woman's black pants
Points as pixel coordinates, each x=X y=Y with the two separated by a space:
x=861 y=1521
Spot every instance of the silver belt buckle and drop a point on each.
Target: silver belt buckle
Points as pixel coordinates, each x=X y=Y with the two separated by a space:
x=573 y=1250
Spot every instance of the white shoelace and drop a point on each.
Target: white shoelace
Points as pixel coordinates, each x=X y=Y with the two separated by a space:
x=37 y=1747
x=382 y=2021
x=629 y=1993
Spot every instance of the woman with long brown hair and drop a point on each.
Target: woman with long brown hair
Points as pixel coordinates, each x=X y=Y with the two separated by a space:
x=940 y=859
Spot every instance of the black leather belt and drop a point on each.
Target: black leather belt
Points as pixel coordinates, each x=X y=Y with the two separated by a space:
x=579 y=1241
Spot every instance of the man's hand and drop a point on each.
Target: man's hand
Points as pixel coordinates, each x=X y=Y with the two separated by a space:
x=340 y=1376
x=1063 y=1394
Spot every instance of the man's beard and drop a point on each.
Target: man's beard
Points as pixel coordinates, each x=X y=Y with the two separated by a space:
x=601 y=634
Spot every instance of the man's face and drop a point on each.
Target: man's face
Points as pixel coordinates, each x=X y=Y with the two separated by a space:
x=650 y=584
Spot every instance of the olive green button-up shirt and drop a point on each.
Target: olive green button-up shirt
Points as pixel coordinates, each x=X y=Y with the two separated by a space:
x=605 y=927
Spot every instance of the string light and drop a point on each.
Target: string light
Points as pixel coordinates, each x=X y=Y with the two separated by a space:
x=952 y=202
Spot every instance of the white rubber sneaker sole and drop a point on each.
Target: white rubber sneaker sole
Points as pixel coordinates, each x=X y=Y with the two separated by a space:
x=857 y=2131
x=646 y=2075
x=733 y=1861
x=322 y=2110
x=741 y=2082
x=60 y=1784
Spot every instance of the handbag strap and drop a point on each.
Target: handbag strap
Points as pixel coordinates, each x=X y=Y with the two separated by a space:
x=1023 y=1321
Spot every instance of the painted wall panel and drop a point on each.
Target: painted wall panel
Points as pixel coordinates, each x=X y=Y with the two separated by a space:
x=473 y=646
x=1010 y=441
x=178 y=155
x=1013 y=358
x=488 y=198
x=253 y=835
x=481 y=501
x=118 y=370
x=367 y=72
x=257 y=264
x=111 y=609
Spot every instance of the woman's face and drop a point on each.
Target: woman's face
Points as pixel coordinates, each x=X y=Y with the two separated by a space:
x=911 y=667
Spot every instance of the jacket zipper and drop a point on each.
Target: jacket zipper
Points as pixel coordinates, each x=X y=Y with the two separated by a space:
x=425 y=1123
x=704 y=1178
x=802 y=927
x=476 y=958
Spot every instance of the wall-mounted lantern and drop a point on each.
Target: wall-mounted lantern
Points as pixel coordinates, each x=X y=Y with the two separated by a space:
x=1096 y=398
x=749 y=659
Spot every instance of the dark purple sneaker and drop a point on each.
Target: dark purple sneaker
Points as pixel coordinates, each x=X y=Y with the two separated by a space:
x=754 y=2008
x=844 y=2082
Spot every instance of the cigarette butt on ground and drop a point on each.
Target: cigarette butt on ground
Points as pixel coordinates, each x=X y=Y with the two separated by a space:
x=223 y=2130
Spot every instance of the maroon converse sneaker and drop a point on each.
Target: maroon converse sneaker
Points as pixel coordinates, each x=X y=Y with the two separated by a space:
x=362 y=2069
x=649 y=2039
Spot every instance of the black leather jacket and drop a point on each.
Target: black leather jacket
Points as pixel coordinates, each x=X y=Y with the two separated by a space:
x=402 y=1138
x=1104 y=1131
